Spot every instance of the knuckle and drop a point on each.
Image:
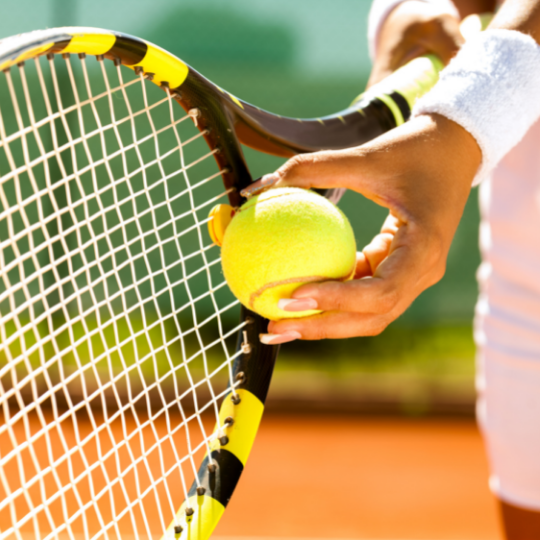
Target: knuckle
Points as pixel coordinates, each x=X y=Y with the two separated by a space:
x=332 y=297
x=339 y=302
x=317 y=333
x=388 y=300
x=297 y=164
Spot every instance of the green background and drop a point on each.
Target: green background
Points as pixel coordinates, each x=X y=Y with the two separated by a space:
x=300 y=58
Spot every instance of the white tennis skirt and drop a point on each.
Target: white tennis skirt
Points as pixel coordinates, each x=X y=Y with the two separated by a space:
x=507 y=328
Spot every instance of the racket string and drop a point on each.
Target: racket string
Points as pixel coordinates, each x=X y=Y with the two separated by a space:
x=67 y=257
x=93 y=335
x=38 y=370
x=210 y=287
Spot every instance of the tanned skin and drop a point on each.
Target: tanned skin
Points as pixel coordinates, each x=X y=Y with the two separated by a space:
x=412 y=172
x=438 y=35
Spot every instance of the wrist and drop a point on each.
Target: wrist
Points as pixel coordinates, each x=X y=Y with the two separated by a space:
x=459 y=147
x=490 y=89
x=439 y=169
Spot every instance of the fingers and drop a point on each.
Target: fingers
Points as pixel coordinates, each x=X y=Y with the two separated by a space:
x=367 y=170
x=364 y=306
x=413 y=29
x=425 y=188
x=359 y=308
x=393 y=266
x=397 y=280
x=363 y=268
x=324 y=170
x=278 y=339
x=378 y=250
x=368 y=295
x=332 y=325
x=443 y=38
x=265 y=182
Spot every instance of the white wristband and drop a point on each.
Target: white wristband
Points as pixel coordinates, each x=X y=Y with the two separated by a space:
x=380 y=9
x=492 y=89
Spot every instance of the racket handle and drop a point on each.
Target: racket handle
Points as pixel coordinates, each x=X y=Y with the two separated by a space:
x=400 y=90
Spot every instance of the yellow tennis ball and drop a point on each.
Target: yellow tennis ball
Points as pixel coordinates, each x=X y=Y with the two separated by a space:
x=280 y=240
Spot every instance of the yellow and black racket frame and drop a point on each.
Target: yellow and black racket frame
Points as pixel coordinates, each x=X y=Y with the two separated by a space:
x=227 y=122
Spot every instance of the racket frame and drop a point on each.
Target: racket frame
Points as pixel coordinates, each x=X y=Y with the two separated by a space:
x=226 y=122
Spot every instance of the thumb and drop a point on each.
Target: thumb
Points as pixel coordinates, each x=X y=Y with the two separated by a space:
x=323 y=170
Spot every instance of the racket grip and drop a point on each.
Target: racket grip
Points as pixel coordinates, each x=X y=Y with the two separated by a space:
x=400 y=90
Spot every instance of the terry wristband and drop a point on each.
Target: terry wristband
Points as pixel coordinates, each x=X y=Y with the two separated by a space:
x=492 y=89
x=380 y=9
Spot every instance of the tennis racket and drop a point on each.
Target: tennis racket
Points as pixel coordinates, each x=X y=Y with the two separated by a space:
x=132 y=383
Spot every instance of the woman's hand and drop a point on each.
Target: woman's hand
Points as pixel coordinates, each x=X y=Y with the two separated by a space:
x=412 y=29
x=422 y=172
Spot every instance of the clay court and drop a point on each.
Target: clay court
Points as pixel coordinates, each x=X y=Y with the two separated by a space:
x=329 y=477
x=364 y=478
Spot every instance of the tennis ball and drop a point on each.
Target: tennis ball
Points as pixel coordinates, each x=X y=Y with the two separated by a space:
x=280 y=240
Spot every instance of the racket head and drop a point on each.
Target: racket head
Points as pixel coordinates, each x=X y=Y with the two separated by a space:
x=223 y=121
x=77 y=134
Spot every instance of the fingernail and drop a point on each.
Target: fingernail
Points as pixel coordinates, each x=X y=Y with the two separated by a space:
x=276 y=339
x=300 y=304
x=259 y=185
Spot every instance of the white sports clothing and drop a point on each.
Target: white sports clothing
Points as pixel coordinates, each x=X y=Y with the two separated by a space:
x=507 y=324
x=490 y=88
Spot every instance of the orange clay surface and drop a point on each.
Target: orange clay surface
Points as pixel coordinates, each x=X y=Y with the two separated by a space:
x=357 y=478
x=308 y=477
